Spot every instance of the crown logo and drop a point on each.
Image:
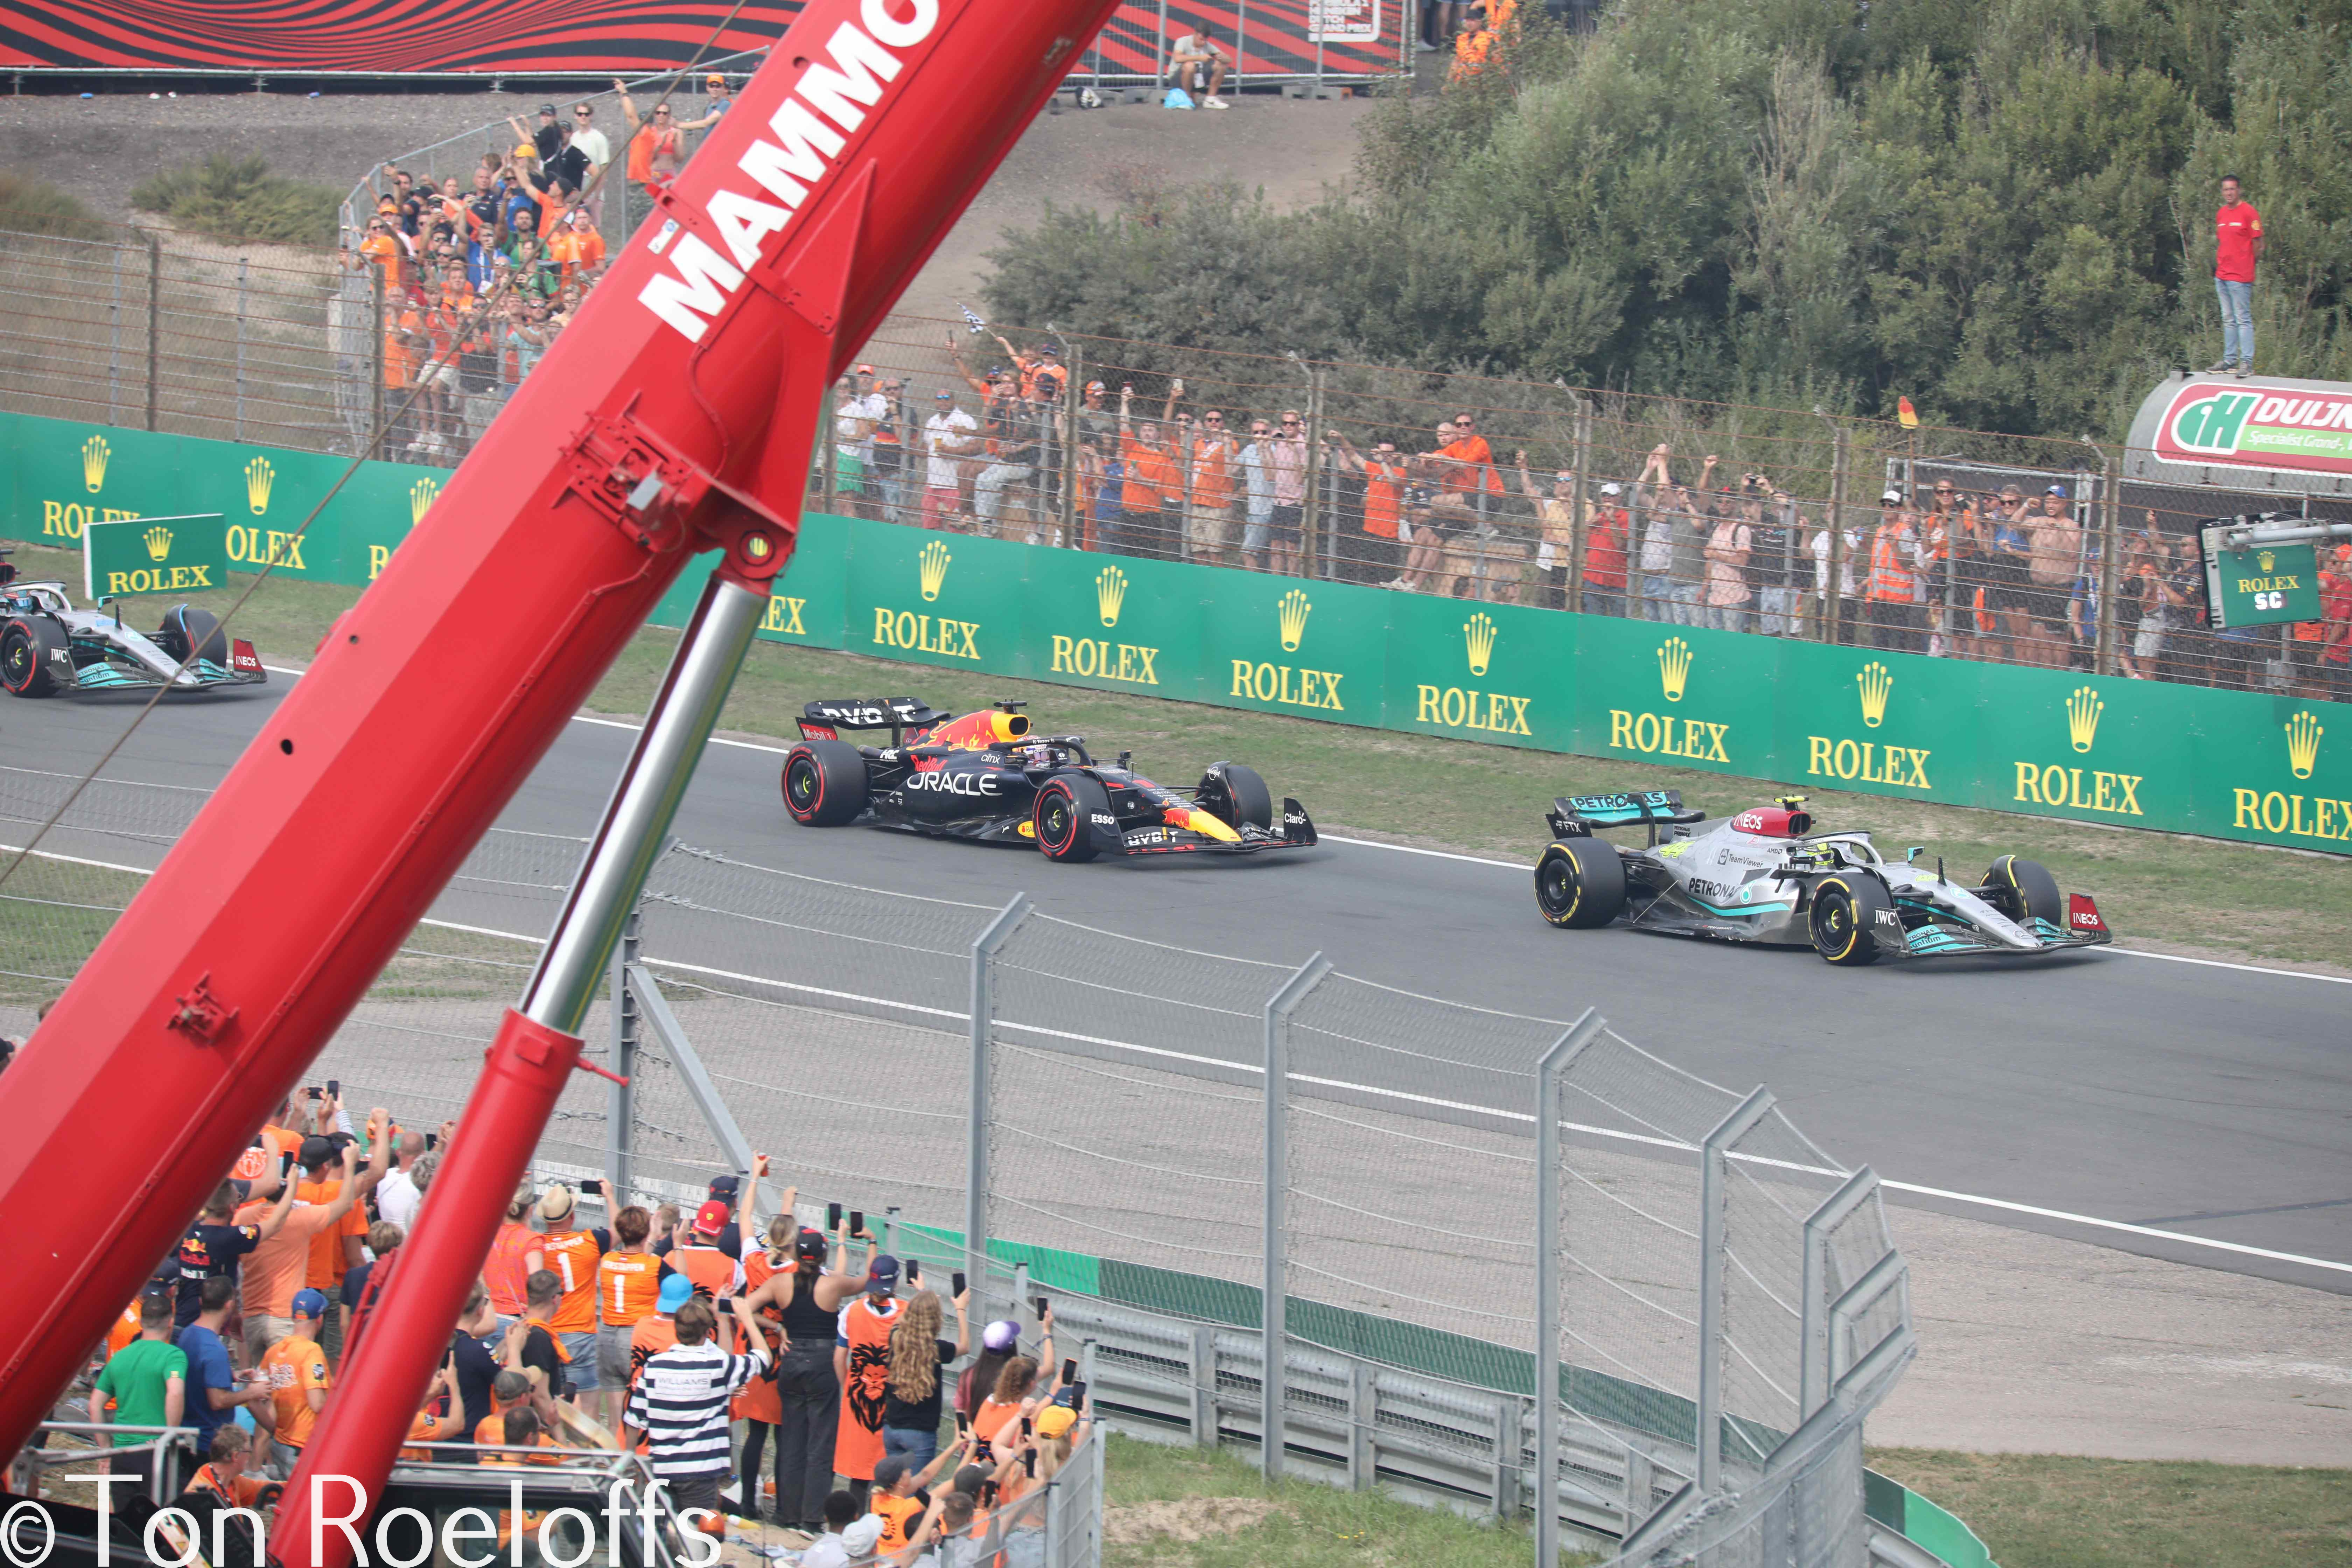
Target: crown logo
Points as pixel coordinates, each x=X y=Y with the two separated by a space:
x=257 y=476
x=2082 y=710
x=1479 y=631
x=420 y=500
x=1673 y=666
x=1875 y=681
x=1111 y=592
x=2303 y=733
x=2268 y=559
x=1294 y=610
x=159 y=544
x=94 y=453
x=933 y=567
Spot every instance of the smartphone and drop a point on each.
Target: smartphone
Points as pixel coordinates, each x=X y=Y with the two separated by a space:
x=432 y=1141
x=312 y=1092
x=914 y=1271
x=1069 y=1370
x=958 y=1278
x=831 y=1218
x=334 y=1089
x=1027 y=1428
x=1041 y=1308
x=1077 y=1396
x=1029 y=1463
x=857 y=1221
x=963 y=1423
x=285 y=1163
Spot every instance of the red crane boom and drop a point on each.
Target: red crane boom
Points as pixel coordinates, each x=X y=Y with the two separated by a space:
x=676 y=415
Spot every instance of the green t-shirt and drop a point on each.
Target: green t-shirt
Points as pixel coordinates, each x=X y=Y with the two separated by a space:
x=136 y=1377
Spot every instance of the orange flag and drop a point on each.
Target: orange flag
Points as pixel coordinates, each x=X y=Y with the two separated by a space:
x=1906 y=414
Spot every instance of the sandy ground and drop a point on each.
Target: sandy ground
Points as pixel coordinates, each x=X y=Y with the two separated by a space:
x=100 y=148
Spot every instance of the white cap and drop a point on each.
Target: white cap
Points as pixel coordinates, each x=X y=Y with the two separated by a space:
x=1894 y=495
x=1608 y=490
x=859 y=1539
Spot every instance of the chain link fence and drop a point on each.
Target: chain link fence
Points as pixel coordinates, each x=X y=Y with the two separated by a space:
x=1168 y=1141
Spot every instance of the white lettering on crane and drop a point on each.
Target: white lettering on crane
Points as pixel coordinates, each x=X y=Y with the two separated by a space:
x=801 y=154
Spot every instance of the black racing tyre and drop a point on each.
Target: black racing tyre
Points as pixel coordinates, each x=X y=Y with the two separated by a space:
x=24 y=646
x=1581 y=883
x=824 y=783
x=185 y=627
x=1059 y=818
x=1242 y=801
x=2035 y=889
x=1845 y=917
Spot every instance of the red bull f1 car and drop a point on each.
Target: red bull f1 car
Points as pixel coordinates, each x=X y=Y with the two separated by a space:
x=47 y=646
x=990 y=777
x=1765 y=876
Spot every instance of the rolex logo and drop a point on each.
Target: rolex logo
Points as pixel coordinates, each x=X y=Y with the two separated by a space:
x=159 y=544
x=94 y=453
x=2268 y=559
x=1111 y=592
x=1673 y=666
x=1293 y=611
x=2082 y=710
x=1875 y=681
x=933 y=564
x=420 y=500
x=2303 y=733
x=257 y=476
x=1479 y=632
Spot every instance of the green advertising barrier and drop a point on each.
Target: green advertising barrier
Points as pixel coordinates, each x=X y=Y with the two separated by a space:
x=122 y=557
x=2228 y=764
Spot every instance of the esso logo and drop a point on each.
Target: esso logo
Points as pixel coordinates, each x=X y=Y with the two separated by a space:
x=1748 y=821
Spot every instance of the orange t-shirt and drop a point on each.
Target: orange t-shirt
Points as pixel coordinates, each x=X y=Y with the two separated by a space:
x=758 y=1400
x=1384 y=490
x=387 y=254
x=1213 y=478
x=575 y=1256
x=294 y=1367
x=1151 y=476
x=273 y=1271
x=431 y=1426
x=858 y=1439
x=654 y=1334
x=628 y=1284
x=578 y=250
x=328 y=1264
x=1475 y=456
x=503 y=1274
x=992 y=1418
x=241 y=1493
x=255 y=1163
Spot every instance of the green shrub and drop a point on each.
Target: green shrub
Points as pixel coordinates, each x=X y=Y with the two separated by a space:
x=238 y=200
x=30 y=205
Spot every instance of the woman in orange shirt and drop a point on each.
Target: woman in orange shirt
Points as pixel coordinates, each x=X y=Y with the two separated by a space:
x=1152 y=483
x=514 y=1255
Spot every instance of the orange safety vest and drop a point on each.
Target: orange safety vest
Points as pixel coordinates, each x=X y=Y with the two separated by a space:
x=1890 y=580
x=865 y=1392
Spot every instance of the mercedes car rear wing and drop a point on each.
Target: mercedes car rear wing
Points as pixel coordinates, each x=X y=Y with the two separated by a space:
x=1577 y=815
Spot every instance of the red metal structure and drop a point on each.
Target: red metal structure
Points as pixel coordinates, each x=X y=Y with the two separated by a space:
x=677 y=415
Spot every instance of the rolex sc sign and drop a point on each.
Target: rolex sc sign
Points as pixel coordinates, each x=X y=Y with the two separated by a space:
x=2224 y=424
x=186 y=554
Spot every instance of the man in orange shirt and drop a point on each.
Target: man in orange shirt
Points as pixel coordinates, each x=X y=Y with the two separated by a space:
x=1152 y=481
x=274 y=1270
x=1213 y=456
x=658 y=1329
x=577 y=248
x=573 y=1255
x=628 y=1281
x=337 y=1250
x=1471 y=462
x=298 y=1380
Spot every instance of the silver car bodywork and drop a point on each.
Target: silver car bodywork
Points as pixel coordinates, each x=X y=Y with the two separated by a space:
x=102 y=654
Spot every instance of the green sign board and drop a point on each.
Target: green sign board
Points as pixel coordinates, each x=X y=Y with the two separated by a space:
x=2261 y=585
x=184 y=554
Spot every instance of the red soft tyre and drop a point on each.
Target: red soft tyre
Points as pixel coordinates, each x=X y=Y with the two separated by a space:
x=825 y=784
x=25 y=647
x=1059 y=818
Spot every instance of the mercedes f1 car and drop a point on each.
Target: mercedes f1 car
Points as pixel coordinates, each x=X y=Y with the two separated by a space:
x=990 y=777
x=47 y=646
x=1765 y=876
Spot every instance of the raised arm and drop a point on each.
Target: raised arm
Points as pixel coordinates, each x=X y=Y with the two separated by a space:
x=1175 y=391
x=955 y=353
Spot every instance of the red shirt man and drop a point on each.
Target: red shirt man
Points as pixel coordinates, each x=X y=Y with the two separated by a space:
x=1605 y=549
x=2237 y=236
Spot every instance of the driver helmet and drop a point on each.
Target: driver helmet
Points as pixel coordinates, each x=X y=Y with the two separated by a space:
x=1037 y=754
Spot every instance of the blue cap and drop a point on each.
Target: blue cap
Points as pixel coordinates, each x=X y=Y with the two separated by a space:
x=675 y=1291
x=882 y=1276
x=309 y=1304
x=2058 y=490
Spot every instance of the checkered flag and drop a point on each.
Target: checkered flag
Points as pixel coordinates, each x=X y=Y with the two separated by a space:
x=978 y=326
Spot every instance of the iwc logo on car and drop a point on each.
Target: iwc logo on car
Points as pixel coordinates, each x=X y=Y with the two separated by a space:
x=2079 y=788
x=1286 y=685
x=1664 y=736
x=1467 y=708
x=1868 y=761
x=1099 y=659
x=920 y=633
x=2288 y=812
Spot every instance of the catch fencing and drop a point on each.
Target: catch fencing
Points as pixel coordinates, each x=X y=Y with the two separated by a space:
x=1501 y=1258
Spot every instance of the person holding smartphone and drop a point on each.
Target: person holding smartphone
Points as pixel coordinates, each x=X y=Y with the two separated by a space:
x=918 y=1359
x=809 y=1297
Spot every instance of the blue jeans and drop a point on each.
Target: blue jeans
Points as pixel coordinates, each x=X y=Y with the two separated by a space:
x=919 y=1446
x=1778 y=611
x=1601 y=602
x=2237 y=323
x=1688 y=609
x=1727 y=617
x=1657 y=597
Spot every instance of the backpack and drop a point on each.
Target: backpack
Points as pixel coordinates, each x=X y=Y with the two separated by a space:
x=1177 y=99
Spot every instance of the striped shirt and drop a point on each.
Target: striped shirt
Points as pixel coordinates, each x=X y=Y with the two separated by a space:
x=680 y=1403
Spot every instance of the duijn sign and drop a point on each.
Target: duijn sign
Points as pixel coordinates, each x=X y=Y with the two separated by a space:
x=2134 y=753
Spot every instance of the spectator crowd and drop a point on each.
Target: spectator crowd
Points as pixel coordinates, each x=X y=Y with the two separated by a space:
x=718 y=1340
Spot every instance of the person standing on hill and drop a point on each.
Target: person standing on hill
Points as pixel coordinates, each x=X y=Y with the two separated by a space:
x=2237 y=247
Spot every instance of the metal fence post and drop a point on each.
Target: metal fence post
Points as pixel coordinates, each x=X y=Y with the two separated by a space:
x=1833 y=593
x=240 y=348
x=1581 y=487
x=621 y=1103
x=154 y=320
x=1272 y=1317
x=1728 y=1132
x=1813 y=1332
x=663 y=1025
x=1307 y=563
x=1551 y=1070
x=984 y=949
x=1072 y=406
x=2103 y=657
x=114 y=346
x=378 y=436
x=1205 y=1386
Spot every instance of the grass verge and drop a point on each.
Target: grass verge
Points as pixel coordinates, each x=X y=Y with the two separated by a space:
x=2045 y=1511
x=2162 y=892
x=240 y=202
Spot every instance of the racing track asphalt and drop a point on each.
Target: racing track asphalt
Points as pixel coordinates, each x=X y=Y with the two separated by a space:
x=2212 y=1101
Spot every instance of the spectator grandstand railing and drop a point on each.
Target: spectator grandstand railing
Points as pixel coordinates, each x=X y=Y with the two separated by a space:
x=1454 y=1209
x=170 y=333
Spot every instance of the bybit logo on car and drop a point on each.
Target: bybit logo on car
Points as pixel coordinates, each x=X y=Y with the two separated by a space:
x=1466 y=708
x=1869 y=762
x=1658 y=735
x=1098 y=658
x=1283 y=684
